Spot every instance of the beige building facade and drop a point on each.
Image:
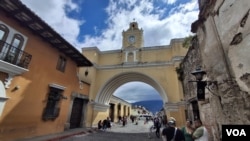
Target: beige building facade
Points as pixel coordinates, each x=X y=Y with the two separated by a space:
x=118 y=108
x=155 y=66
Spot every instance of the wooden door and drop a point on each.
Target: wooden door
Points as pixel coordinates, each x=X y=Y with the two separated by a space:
x=76 y=114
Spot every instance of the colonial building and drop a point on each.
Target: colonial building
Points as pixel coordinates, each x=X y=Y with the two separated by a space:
x=155 y=66
x=40 y=91
x=119 y=108
x=221 y=48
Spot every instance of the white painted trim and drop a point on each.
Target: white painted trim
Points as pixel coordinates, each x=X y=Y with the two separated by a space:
x=11 y=69
x=134 y=64
x=57 y=86
x=3 y=97
x=100 y=107
x=2 y=90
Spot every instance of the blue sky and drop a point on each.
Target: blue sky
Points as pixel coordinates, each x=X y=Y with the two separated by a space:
x=99 y=23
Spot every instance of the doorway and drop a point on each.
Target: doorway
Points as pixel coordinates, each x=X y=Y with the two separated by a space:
x=76 y=114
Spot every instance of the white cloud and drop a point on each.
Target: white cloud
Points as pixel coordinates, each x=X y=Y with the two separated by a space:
x=169 y=1
x=160 y=25
x=133 y=91
x=53 y=13
x=158 y=30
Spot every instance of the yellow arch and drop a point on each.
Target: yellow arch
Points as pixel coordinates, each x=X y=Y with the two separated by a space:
x=107 y=90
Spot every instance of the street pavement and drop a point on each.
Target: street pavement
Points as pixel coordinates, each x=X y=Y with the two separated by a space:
x=129 y=132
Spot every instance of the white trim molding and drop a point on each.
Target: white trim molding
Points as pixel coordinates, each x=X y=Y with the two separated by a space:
x=100 y=107
x=11 y=70
x=3 y=97
x=57 y=86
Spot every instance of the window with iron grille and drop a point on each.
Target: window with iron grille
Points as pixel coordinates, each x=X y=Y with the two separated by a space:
x=52 y=108
x=61 y=64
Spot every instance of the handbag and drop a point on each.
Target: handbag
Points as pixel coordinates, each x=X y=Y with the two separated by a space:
x=173 y=139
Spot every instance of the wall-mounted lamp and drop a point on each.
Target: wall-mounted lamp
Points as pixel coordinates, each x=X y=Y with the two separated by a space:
x=201 y=85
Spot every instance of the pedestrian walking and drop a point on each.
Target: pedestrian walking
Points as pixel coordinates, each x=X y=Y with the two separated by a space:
x=172 y=133
x=157 y=125
x=124 y=121
x=119 y=119
x=188 y=130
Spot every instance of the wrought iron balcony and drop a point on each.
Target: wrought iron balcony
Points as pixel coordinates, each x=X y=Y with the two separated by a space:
x=14 y=55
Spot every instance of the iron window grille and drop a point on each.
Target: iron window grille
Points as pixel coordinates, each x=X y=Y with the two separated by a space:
x=52 y=108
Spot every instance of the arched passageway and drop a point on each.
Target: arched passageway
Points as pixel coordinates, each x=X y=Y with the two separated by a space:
x=105 y=93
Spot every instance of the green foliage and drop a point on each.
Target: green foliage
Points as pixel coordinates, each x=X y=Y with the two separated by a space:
x=187 y=41
x=180 y=72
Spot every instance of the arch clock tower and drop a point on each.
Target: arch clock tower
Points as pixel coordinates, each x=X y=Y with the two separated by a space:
x=132 y=42
x=133 y=37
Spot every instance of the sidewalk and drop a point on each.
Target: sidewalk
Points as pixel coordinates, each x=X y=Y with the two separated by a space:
x=62 y=135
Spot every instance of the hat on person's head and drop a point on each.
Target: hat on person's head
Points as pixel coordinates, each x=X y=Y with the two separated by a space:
x=171 y=122
x=172 y=119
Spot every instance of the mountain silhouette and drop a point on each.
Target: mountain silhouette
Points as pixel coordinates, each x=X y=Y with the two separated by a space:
x=151 y=105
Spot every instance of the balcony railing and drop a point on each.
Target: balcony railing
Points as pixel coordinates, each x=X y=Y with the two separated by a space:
x=14 y=55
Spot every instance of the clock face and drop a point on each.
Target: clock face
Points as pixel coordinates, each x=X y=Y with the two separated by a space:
x=131 y=39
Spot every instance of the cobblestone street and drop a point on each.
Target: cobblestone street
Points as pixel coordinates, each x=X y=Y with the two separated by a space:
x=130 y=132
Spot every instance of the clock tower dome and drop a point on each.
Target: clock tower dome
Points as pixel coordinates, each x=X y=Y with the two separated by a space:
x=132 y=37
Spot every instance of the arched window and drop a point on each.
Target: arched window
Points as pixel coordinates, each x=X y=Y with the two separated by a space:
x=14 y=50
x=4 y=31
x=17 y=41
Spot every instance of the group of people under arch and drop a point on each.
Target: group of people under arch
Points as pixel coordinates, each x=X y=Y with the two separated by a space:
x=105 y=124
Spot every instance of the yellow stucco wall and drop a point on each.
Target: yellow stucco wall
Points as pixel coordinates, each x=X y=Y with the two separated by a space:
x=109 y=64
x=22 y=115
